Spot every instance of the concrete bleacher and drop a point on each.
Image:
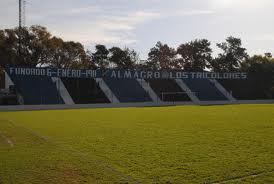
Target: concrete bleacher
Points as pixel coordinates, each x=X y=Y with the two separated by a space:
x=168 y=90
x=250 y=89
x=105 y=90
x=127 y=90
x=204 y=89
x=37 y=90
x=84 y=91
x=2 y=79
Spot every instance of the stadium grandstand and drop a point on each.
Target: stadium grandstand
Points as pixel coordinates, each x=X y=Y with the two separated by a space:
x=49 y=86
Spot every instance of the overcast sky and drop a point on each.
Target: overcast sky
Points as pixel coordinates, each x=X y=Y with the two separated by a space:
x=139 y=24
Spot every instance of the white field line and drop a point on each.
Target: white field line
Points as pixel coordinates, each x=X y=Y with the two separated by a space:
x=79 y=153
x=240 y=178
x=39 y=136
x=7 y=140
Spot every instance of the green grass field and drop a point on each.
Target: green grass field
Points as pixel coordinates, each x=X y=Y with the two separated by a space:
x=189 y=144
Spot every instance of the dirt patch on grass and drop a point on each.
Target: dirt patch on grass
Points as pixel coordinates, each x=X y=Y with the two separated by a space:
x=68 y=174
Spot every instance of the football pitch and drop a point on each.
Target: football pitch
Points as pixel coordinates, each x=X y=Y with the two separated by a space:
x=187 y=144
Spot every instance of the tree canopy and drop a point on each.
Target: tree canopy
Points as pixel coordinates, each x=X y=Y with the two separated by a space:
x=41 y=48
x=161 y=57
x=232 y=56
x=195 y=55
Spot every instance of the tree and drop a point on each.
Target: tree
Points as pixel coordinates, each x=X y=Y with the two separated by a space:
x=123 y=58
x=232 y=56
x=195 y=55
x=258 y=63
x=9 y=47
x=100 y=57
x=40 y=53
x=32 y=46
x=261 y=69
x=268 y=54
x=161 y=57
x=39 y=47
x=66 y=54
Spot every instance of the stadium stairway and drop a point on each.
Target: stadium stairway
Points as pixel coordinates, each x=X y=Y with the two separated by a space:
x=127 y=90
x=150 y=91
x=8 y=81
x=168 y=90
x=184 y=87
x=205 y=90
x=85 y=91
x=37 y=90
x=227 y=94
x=110 y=95
x=63 y=91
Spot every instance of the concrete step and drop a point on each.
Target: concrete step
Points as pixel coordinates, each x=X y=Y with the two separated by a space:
x=149 y=90
x=104 y=87
x=63 y=91
x=223 y=90
x=185 y=88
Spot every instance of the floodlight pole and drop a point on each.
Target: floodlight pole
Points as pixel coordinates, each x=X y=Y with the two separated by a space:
x=20 y=30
